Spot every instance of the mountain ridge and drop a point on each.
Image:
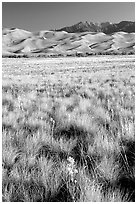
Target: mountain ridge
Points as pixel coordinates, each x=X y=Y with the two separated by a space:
x=105 y=27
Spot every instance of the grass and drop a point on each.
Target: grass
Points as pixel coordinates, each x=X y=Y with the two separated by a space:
x=67 y=141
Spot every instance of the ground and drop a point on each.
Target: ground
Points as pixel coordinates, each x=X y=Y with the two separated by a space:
x=68 y=129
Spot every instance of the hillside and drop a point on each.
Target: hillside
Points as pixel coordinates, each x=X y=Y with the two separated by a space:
x=17 y=41
x=105 y=27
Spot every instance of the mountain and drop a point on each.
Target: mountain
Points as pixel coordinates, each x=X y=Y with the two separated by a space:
x=106 y=27
x=18 y=42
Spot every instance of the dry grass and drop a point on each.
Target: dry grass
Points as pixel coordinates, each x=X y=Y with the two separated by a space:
x=67 y=138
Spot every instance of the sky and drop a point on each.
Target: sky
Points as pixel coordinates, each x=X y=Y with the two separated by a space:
x=35 y=16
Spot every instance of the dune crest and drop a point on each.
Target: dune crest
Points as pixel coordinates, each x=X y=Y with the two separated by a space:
x=18 y=41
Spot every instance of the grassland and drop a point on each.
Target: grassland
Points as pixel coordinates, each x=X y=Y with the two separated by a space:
x=68 y=129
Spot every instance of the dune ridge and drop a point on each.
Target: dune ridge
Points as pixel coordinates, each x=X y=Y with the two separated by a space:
x=17 y=41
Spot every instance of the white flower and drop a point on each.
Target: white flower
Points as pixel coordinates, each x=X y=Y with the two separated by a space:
x=71 y=160
x=71 y=168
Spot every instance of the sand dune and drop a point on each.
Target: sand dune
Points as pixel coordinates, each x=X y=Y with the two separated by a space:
x=17 y=41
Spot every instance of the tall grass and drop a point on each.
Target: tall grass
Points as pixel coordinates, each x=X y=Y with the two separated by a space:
x=75 y=146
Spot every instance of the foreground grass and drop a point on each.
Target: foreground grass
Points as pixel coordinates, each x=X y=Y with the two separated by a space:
x=69 y=142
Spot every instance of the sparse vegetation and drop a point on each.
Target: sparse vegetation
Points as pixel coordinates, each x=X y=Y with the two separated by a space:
x=68 y=130
x=45 y=55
